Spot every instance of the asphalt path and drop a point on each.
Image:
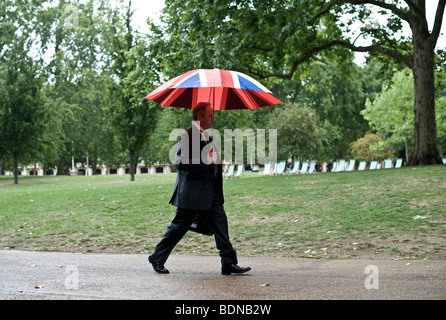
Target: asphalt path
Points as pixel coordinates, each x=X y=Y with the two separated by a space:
x=31 y=275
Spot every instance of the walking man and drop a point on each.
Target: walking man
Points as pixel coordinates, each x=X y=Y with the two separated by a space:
x=198 y=188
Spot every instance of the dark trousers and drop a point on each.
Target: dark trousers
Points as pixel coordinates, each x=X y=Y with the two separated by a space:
x=218 y=223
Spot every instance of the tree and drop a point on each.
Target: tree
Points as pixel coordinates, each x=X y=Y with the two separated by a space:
x=75 y=36
x=298 y=134
x=132 y=116
x=23 y=116
x=272 y=39
x=370 y=148
x=335 y=92
x=391 y=114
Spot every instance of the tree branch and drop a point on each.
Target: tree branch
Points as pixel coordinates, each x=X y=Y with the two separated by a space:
x=400 y=13
x=407 y=60
x=323 y=11
x=437 y=24
x=310 y=22
x=420 y=12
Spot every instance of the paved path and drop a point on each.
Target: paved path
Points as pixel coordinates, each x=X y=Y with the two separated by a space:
x=55 y=275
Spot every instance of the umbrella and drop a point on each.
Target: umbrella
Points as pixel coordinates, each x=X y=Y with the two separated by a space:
x=224 y=89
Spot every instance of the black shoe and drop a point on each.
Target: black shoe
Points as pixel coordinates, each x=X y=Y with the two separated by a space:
x=233 y=268
x=158 y=267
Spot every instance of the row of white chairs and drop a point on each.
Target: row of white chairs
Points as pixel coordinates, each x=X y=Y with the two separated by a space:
x=342 y=165
x=310 y=167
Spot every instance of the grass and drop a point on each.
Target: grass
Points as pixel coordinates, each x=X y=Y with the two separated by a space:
x=393 y=213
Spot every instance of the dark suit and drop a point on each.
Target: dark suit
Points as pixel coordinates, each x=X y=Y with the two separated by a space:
x=196 y=181
x=199 y=187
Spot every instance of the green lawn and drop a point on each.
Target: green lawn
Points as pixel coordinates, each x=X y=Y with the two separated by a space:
x=393 y=213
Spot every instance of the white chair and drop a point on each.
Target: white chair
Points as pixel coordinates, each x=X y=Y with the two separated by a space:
x=280 y=167
x=362 y=165
x=267 y=169
x=388 y=164
x=304 y=167
x=341 y=165
x=239 y=172
x=296 y=167
x=312 y=167
x=230 y=171
x=351 y=165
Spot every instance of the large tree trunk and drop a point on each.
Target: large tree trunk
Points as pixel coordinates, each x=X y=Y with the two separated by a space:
x=61 y=166
x=94 y=165
x=425 y=149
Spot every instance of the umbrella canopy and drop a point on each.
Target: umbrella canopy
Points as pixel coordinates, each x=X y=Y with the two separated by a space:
x=223 y=89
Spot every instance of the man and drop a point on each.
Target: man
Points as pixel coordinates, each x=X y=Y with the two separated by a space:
x=198 y=188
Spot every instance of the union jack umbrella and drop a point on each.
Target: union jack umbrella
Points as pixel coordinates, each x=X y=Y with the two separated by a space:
x=223 y=89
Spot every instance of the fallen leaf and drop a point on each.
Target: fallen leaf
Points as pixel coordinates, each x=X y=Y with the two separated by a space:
x=324 y=249
x=264 y=285
x=38 y=287
x=307 y=251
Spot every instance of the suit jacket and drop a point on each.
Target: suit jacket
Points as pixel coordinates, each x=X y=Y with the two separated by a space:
x=196 y=181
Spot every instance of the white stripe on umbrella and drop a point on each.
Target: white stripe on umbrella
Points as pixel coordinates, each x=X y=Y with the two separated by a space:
x=235 y=79
x=203 y=79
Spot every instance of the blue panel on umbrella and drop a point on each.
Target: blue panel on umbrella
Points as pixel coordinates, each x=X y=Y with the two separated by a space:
x=247 y=85
x=192 y=82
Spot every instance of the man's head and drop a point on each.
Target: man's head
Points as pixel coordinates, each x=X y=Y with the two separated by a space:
x=204 y=113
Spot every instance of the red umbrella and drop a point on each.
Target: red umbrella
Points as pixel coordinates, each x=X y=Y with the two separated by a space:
x=224 y=89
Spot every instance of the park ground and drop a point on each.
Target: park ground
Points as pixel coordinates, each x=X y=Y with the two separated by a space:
x=379 y=214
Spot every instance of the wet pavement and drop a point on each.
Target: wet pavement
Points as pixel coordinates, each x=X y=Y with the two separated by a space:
x=26 y=275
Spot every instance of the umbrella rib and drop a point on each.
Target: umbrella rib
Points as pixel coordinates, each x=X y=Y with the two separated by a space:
x=173 y=96
x=249 y=98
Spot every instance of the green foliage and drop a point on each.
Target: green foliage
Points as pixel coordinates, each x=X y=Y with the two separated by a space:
x=391 y=114
x=273 y=41
x=370 y=148
x=440 y=106
x=90 y=78
x=337 y=94
x=298 y=134
x=132 y=116
x=24 y=117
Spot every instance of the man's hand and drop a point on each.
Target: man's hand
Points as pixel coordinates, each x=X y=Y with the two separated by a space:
x=212 y=157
